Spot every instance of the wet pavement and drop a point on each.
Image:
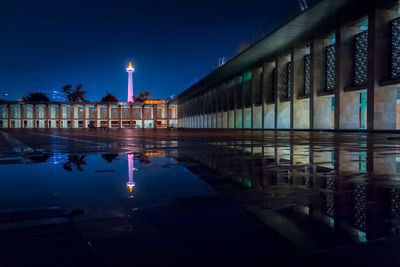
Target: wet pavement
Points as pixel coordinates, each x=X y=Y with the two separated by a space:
x=196 y=198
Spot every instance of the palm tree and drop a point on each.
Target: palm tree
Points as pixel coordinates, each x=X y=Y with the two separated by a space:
x=109 y=157
x=142 y=97
x=109 y=98
x=77 y=160
x=75 y=96
x=67 y=91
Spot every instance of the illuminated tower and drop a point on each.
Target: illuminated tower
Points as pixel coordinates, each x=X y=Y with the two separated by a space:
x=130 y=70
x=131 y=169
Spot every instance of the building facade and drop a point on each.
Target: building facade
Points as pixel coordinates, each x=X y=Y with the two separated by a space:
x=334 y=66
x=150 y=114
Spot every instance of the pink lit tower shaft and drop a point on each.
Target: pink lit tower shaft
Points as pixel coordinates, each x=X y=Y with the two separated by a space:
x=130 y=70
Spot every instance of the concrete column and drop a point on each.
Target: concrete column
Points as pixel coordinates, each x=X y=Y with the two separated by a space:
x=108 y=116
x=241 y=87
x=21 y=112
x=120 y=115
x=263 y=100
x=347 y=104
x=320 y=106
x=223 y=102
x=60 y=116
x=167 y=114
x=299 y=108
x=256 y=110
x=9 y=116
x=381 y=101
x=154 y=109
x=234 y=104
x=252 y=88
x=142 y=115
x=268 y=95
x=227 y=105
x=282 y=108
x=47 y=115
x=34 y=115
x=71 y=115
x=96 y=114
x=131 y=116
x=215 y=101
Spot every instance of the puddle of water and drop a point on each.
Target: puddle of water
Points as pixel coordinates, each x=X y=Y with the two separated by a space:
x=96 y=183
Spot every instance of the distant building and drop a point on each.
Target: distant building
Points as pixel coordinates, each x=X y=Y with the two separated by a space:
x=148 y=114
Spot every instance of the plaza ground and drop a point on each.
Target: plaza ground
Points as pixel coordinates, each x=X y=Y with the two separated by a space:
x=201 y=197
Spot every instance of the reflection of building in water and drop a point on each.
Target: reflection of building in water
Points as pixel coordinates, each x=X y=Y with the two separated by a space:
x=131 y=169
x=332 y=188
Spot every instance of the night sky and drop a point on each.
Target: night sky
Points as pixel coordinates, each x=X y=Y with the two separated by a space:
x=48 y=44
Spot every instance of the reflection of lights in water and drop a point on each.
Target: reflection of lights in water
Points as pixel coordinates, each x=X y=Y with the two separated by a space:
x=57 y=158
x=131 y=169
x=155 y=154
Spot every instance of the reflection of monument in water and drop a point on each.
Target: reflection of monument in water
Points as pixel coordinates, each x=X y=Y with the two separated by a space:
x=143 y=159
x=131 y=169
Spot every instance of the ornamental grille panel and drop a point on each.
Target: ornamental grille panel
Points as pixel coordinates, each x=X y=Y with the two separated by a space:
x=394 y=203
x=126 y=113
x=3 y=112
x=360 y=48
x=360 y=207
x=137 y=113
x=271 y=94
x=329 y=205
x=307 y=74
x=289 y=79
x=395 y=64
x=114 y=113
x=282 y=83
x=330 y=67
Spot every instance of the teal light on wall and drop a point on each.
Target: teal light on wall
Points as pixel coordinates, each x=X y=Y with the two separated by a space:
x=247 y=182
x=363 y=110
x=247 y=76
x=364 y=25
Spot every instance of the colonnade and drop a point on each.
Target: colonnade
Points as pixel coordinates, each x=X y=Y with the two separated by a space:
x=346 y=79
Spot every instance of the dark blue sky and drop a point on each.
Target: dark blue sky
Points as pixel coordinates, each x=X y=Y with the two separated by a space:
x=48 y=44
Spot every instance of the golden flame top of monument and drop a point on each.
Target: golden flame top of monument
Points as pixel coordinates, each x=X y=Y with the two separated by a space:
x=130 y=67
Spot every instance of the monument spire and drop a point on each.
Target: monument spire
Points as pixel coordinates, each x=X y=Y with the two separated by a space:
x=130 y=70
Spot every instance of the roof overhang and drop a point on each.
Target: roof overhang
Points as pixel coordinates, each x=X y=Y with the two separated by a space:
x=318 y=21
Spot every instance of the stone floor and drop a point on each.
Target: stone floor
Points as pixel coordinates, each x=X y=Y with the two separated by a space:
x=200 y=198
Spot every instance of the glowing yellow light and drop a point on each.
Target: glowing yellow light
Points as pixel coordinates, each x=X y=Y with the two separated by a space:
x=130 y=188
x=155 y=154
x=154 y=101
x=130 y=65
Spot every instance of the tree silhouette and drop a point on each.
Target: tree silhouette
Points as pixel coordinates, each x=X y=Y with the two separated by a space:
x=38 y=157
x=109 y=98
x=77 y=160
x=109 y=157
x=74 y=96
x=143 y=158
x=142 y=97
x=36 y=97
